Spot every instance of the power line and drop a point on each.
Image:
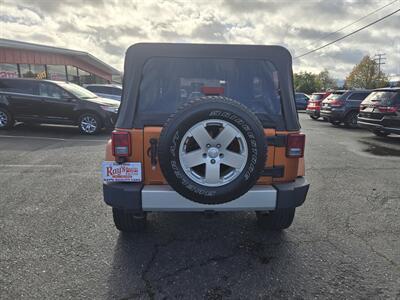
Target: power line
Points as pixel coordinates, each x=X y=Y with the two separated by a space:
x=347 y=35
x=380 y=59
x=356 y=21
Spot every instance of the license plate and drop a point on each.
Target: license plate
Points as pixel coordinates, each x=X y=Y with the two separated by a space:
x=125 y=172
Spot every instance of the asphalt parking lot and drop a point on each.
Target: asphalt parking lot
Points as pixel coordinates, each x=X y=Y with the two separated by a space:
x=58 y=239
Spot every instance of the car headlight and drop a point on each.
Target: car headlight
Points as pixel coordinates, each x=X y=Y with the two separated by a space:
x=112 y=109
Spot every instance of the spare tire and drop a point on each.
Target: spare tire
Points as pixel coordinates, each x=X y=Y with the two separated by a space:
x=212 y=150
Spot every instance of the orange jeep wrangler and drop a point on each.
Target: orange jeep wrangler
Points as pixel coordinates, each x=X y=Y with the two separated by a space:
x=206 y=128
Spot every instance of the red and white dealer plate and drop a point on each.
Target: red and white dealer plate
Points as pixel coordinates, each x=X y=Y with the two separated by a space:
x=126 y=172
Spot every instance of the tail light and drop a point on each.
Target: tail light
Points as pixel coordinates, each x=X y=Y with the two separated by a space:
x=388 y=109
x=336 y=103
x=121 y=143
x=212 y=90
x=295 y=145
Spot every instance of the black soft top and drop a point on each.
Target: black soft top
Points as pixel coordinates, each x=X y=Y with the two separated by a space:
x=138 y=54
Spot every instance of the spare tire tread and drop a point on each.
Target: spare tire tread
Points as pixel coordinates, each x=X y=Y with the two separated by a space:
x=197 y=194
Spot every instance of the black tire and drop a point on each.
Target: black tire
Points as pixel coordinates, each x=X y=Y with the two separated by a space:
x=84 y=129
x=350 y=121
x=224 y=110
x=335 y=122
x=276 y=220
x=127 y=221
x=314 y=117
x=7 y=119
x=381 y=133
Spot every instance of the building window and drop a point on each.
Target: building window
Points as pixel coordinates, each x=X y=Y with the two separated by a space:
x=116 y=78
x=73 y=74
x=8 y=71
x=32 y=71
x=85 y=77
x=98 y=79
x=56 y=72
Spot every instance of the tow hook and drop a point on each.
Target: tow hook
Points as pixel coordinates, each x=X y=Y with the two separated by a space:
x=153 y=153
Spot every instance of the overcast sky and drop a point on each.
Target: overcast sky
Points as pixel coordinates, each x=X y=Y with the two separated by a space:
x=105 y=28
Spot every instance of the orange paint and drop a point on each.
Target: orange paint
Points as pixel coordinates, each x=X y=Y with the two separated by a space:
x=290 y=164
x=276 y=156
x=153 y=173
x=137 y=146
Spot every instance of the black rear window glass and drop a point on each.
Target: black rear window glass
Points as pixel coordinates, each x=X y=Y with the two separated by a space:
x=383 y=98
x=316 y=96
x=116 y=91
x=94 y=89
x=358 y=96
x=335 y=95
x=169 y=82
x=18 y=86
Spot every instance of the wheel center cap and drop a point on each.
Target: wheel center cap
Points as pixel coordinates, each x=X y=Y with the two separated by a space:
x=213 y=152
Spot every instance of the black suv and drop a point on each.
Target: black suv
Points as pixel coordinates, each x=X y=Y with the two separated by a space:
x=343 y=106
x=380 y=112
x=54 y=102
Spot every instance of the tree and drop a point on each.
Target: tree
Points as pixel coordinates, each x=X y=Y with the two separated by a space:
x=305 y=82
x=366 y=75
x=325 y=81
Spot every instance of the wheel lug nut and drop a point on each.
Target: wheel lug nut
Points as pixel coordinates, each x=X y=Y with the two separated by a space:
x=221 y=155
x=204 y=155
x=208 y=145
x=213 y=161
x=218 y=146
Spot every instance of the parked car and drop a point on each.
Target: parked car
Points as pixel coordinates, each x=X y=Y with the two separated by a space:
x=110 y=91
x=314 y=104
x=197 y=135
x=380 y=112
x=54 y=102
x=342 y=106
x=301 y=101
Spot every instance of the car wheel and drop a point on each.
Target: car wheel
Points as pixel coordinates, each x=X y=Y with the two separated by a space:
x=212 y=150
x=314 y=117
x=381 y=133
x=6 y=119
x=89 y=124
x=351 y=120
x=127 y=221
x=335 y=122
x=276 y=220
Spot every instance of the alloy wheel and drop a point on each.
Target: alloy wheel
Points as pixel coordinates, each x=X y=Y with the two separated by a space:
x=213 y=152
x=88 y=124
x=3 y=119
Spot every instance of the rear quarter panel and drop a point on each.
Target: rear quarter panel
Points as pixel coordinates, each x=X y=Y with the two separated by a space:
x=276 y=156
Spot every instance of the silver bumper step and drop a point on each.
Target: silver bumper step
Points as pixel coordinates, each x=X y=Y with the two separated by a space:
x=164 y=198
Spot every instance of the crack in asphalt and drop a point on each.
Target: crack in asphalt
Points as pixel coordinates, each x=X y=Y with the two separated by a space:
x=251 y=247
x=376 y=252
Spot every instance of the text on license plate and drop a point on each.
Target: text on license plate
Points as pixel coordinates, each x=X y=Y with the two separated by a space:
x=125 y=172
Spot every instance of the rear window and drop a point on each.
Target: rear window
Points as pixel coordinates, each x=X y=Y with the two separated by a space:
x=335 y=95
x=19 y=87
x=94 y=89
x=105 y=90
x=385 y=98
x=316 y=96
x=169 y=82
x=300 y=97
x=358 y=96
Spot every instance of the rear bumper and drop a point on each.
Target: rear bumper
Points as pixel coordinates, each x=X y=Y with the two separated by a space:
x=377 y=127
x=313 y=112
x=137 y=197
x=334 y=114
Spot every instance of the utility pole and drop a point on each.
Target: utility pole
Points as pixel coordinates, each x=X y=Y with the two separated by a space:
x=380 y=59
